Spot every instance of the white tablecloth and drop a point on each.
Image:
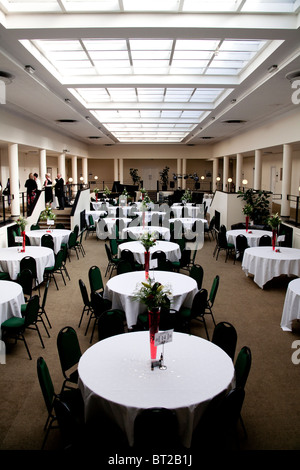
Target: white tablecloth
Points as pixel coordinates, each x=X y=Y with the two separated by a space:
x=265 y=264
x=136 y=232
x=10 y=260
x=171 y=250
x=59 y=236
x=188 y=210
x=187 y=222
x=252 y=236
x=120 y=290
x=95 y=214
x=11 y=299
x=115 y=378
x=291 y=307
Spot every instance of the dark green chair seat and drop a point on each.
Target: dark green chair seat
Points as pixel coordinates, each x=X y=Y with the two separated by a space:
x=4 y=277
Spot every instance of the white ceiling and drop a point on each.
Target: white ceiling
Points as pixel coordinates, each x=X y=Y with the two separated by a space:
x=176 y=72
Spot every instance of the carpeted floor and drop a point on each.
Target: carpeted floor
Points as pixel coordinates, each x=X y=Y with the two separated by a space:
x=271 y=410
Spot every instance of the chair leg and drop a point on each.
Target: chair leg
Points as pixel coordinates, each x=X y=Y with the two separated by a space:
x=26 y=346
x=42 y=320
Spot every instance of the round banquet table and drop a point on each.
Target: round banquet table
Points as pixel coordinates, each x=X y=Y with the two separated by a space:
x=188 y=210
x=136 y=232
x=264 y=263
x=188 y=222
x=59 y=236
x=11 y=299
x=115 y=378
x=121 y=289
x=253 y=236
x=171 y=250
x=291 y=307
x=10 y=260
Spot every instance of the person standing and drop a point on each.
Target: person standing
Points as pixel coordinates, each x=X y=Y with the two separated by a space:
x=48 y=189
x=59 y=191
x=31 y=186
x=38 y=182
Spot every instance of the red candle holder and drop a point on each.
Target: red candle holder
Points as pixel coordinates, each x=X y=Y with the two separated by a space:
x=153 y=317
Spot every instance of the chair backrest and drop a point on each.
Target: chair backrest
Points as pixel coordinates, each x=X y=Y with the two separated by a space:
x=164 y=265
x=47 y=240
x=35 y=227
x=241 y=243
x=45 y=382
x=214 y=289
x=212 y=222
x=70 y=426
x=185 y=259
x=199 y=303
x=127 y=255
x=60 y=226
x=197 y=273
x=242 y=366
x=265 y=240
x=229 y=408
x=225 y=336
x=68 y=348
x=124 y=266
x=91 y=221
x=98 y=304
x=25 y=279
x=108 y=252
x=161 y=255
x=72 y=239
x=84 y=292
x=95 y=279
x=59 y=258
x=76 y=230
x=222 y=240
x=27 y=240
x=32 y=310
x=28 y=262
x=110 y=323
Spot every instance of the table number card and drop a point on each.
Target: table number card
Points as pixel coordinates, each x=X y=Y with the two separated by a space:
x=163 y=337
x=50 y=222
x=19 y=239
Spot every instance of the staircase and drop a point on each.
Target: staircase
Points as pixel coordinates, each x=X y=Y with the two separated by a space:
x=62 y=217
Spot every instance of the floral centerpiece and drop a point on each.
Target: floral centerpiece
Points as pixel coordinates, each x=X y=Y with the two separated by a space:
x=21 y=222
x=106 y=191
x=125 y=193
x=154 y=295
x=148 y=240
x=187 y=196
x=274 y=221
x=96 y=191
x=47 y=213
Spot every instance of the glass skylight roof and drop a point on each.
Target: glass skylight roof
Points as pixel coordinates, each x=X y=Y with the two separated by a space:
x=170 y=6
x=168 y=85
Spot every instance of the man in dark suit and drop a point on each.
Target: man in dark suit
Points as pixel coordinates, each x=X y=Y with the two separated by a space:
x=59 y=191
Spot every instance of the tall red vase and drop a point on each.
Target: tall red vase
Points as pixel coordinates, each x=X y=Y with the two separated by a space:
x=247 y=223
x=147 y=262
x=274 y=236
x=23 y=242
x=153 y=317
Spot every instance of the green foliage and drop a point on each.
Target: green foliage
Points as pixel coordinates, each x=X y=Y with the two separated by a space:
x=134 y=175
x=164 y=176
x=259 y=202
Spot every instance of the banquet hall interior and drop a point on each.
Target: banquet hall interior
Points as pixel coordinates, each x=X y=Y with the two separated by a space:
x=196 y=106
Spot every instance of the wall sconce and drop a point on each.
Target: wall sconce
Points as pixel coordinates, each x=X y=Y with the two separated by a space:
x=81 y=178
x=95 y=178
x=203 y=177
x=70 y=180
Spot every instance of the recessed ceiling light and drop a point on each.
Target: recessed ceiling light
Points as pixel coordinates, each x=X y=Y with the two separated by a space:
x=66 y=121
x=6 y=77
x=94 y=137
x=291 y=76
x=234 y=121
x=272 y=68
x=206 y=137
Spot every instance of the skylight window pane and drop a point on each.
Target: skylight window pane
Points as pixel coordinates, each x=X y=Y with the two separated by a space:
x=157 y=55
x=92 y=5
x=67 y=55
x=152 y=5
x=208 y=5
x=186 y=71
x=220 y=71
x=150 y=44
x=147 y=71
x=63 y=45
x=196 y=45
x=196 y=55
x=150 y=63
x=189 y=63
x=105 y=44
x=109 y=55
x=251 y=46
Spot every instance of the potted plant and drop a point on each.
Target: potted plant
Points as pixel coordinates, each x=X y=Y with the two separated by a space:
x=154 y=295
x=259 y=201
x=164 y=178
x=47 y=213
x=134 y=176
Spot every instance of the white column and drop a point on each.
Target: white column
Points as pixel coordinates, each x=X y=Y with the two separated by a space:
x=13 y=162
x=215 y=173
x=116 y=169
x=257 y=170
x=62 y=165
x=225 y=172
x=286 y=179
x=43 y=165
x=121 y=170
x=239 y=170
x=85 y=170
x=74 y=169
x=183 y=173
